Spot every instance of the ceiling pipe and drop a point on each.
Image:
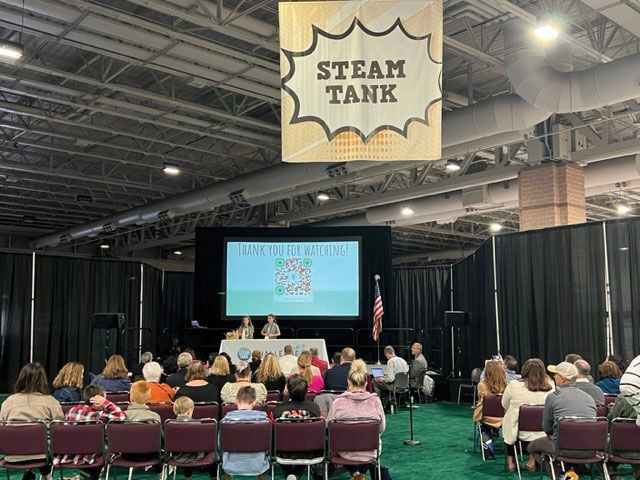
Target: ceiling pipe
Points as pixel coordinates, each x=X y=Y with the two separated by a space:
x=451 y=254
x=564 y=92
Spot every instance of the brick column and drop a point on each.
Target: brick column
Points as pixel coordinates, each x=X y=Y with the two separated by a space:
x=550 y=195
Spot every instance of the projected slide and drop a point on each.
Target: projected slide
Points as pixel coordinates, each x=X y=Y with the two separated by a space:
x=313 y=278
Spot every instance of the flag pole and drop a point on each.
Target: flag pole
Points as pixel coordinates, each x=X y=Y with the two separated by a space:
x=376 y=278
x=378 y=351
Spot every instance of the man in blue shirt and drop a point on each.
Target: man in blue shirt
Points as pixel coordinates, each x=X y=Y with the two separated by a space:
x=336 y=378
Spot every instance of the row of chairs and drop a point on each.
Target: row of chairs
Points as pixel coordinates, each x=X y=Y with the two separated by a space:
x=272 y=396
x=574 y=433
x=111 y=444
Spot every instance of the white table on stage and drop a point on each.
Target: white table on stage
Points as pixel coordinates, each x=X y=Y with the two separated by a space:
x=241 y=349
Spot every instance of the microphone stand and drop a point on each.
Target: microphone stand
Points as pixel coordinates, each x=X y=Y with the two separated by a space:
x=411 y=441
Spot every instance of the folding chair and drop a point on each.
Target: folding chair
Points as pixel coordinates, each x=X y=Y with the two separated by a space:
x=585 y=434
x=270 y=407
x=190 y=437
x=245 y=437
x=529 y=420
x=309 y=396
x=601 y=410
x=117 y=397
x=165 y=410
x=122 y=405
x=82 y=438
x=274 y=396
x=67 y=406
x=476 y=373
x=491 y=407
x=625 y=438
x=400 y=387
x=133 y=438
x=419 y=382
x=206 y=410
x=353 y=435
x=226 y=408
x=292 y=436
x=24 y=438
x=609 y=399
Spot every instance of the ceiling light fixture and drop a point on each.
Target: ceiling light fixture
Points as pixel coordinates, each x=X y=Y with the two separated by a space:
x=407 y=211
x=178 y=252
x=623 y=209
x=495 y=227
x=171 y=169
x=105 y=246
x=322 y=196
x=11 y=50
x=546 y=31
x=453 y=165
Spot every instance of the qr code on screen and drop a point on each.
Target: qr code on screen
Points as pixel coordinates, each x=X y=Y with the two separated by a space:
x=293 y=280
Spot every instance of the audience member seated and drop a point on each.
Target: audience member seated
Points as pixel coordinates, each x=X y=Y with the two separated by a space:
x=95 y=407
x=630 y=386
x=336 y=378
x=232 y=367
x=583 y=383
x=68 y=383
x=357 y=402
x=212 y=358
x=509 y=364
x=288 y=361
x=623 y=409
x=160 y=392
x=531 y=389
x=176 y=380
x=315 y=381
x=419 y=363
x=245 y=463
x=136 y=371
x=297 y=408
x=335 y=360
x=219 y=374
x=609 y=378
x=115 y=376
x=269 y=374
x=565 y=401
x=573 y=358
x=494 y=383
x=197 y=388
x=316 y=361
x=183 y=409
x=307 y=355
x=31 y=401
x=395 y=365
x=256 y=360
x=139 y=397
x=243 y=379
x=619 y=361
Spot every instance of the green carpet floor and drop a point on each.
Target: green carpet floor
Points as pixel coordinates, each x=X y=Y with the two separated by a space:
x=446 y=452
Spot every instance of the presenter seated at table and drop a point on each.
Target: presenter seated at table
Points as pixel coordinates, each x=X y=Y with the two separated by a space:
x=245 y=331
x=271 y=329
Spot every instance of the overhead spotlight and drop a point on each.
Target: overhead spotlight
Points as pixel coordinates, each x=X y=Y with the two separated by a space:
x=178 y=252
x=322 y=196
x=624 y=249
x=546 y=31
x=11 y=51
x=623 y=209
x=171 y=169
x=407 y=211
x=453 y=165
x=105 y=246
x=495 y=227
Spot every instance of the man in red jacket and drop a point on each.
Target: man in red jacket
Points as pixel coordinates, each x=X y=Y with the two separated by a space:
x=317 y=361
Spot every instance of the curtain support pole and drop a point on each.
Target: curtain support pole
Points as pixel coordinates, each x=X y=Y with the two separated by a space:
x=141 y=309
x=607 y=293
x=495 y=293
x=33 y=304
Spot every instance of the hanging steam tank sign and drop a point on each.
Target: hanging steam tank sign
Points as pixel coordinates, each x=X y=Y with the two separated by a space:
x=361 y=80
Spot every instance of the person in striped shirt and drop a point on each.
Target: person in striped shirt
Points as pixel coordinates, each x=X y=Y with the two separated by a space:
x=95 y=407
x=630 y=386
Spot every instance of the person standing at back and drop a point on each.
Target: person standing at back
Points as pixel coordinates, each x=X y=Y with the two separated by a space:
x=271 y=329
x=336 y=378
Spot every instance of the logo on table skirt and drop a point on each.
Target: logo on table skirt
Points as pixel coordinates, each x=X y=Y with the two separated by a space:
x=244 y=354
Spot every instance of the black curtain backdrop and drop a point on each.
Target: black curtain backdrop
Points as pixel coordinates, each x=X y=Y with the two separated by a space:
x=623 y=249
x=473 y=292
x=152 y=314
x=15 y=316
x=68 y=292
x=422 y=295
x=552 y=293
x=177 y=306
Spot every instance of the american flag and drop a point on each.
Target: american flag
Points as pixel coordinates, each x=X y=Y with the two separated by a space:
x=378 y=311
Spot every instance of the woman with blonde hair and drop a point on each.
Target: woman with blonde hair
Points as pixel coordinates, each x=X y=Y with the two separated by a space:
x=269 y=374
x=494 y=383
x=316 y=383
x=115 y=376
x=220 y=372
x=357 y=402
x=68 y=383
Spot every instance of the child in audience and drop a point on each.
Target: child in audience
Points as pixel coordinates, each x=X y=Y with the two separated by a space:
x=241 y=463
x=183 y=408
x=139 y=395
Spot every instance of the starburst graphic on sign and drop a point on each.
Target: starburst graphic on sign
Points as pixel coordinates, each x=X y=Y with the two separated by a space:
x=363 y=81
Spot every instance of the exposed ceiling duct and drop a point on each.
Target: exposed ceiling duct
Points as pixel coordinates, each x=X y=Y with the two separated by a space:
x=563 y=92
x=480 y=122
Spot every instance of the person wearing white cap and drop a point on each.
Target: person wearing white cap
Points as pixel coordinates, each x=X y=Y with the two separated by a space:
x=566 y=401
